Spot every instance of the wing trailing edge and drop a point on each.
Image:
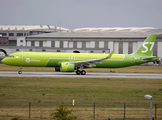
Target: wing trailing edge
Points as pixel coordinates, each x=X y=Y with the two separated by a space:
x=89 y=63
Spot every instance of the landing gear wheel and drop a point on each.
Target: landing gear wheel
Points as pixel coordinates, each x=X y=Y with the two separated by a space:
x=83 y=72
x=78 y=72
x=20 y=72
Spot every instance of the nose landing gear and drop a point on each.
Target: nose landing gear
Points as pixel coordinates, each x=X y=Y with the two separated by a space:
x=20 y=72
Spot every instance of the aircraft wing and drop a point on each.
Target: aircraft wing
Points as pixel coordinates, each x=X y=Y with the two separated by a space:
x=87 y=63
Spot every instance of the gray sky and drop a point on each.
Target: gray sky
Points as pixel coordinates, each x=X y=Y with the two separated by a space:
x=82 y=13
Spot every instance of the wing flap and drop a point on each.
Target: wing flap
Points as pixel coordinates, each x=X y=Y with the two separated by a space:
x=87 y=63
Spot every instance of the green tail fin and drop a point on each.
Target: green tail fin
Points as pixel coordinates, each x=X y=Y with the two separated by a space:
x=147 y=47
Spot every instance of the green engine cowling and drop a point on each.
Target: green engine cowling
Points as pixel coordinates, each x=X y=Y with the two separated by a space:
x=67 y=67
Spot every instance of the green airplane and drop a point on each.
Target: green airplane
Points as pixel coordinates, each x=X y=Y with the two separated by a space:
x=69 y=62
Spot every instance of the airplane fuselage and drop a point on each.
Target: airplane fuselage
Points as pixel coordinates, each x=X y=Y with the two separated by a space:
x=47 y=59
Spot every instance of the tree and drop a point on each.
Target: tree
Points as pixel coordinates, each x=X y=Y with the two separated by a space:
x=63 y=113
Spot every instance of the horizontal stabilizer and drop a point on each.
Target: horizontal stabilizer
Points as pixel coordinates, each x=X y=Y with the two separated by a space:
x=145 y=59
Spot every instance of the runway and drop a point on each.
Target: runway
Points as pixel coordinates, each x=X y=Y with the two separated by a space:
x=73 y=75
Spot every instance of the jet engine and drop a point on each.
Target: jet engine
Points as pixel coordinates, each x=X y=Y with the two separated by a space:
x=67 y=67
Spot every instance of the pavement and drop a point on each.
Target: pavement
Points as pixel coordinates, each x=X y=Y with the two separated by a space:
x=73 y=75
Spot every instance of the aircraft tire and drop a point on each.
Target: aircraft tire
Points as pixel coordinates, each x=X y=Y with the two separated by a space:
x=78 y=72
x=83 y=72
x=20 y=72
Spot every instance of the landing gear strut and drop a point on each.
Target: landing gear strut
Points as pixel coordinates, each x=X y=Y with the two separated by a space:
x=20 y=72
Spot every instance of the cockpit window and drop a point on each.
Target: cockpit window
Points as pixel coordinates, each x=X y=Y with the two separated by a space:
x=10 y=56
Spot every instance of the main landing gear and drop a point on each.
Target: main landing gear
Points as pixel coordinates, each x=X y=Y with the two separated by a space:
x=20 y=72
x=78 y=72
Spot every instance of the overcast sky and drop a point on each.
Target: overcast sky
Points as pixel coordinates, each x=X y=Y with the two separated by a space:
x=73 y=14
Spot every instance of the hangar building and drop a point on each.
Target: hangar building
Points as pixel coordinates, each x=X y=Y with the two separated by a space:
x=12 y=32
x=123 y=40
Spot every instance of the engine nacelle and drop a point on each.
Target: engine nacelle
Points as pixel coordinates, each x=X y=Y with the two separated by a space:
x=67 y=67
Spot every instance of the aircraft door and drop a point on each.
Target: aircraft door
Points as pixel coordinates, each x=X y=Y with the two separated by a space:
x=20 y=57
x=132 y=59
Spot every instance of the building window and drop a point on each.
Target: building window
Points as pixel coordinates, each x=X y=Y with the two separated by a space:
x=24 y=34
x=19 y=34
x=30 y=50
x=91 y=51
x=88 y=44
x=1 y=38
x=1 y=43
x=11 y=34
x=40 y=43
x=3 y=34
x=58 y=51
x=43 y=50
x=21 y=41
x=17 y=49
x=32 y=43
x=5 y=38
x=101 y=44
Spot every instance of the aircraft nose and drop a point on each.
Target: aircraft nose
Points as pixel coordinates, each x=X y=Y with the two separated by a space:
x=4 y=61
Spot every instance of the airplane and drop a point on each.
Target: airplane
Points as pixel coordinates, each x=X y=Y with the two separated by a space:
x=69 y=62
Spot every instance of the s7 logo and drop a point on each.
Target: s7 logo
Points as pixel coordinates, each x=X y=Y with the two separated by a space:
x=144 y=45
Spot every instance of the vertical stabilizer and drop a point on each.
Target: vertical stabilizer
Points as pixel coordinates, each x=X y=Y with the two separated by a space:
x=147 y=47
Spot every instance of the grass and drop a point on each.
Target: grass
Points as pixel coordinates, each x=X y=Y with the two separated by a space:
x=132 y=69
x=109 y=94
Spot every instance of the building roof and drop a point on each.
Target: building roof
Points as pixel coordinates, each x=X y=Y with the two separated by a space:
x=102 y=33
x=127 y=29
x=31 y=27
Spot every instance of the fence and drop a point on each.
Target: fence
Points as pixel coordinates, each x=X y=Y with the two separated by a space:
x=83 y=112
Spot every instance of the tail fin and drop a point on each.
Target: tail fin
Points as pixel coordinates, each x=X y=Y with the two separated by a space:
x=147 y=47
